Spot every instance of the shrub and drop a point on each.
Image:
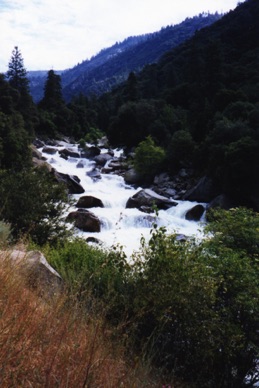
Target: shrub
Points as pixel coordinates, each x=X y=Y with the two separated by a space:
x=90 y=272
x=33 y=203
x=192 y=307
x=149 y=158
x=196 y=306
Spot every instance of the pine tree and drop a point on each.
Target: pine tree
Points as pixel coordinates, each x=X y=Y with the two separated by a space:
x=17 y=74
x=52 y=92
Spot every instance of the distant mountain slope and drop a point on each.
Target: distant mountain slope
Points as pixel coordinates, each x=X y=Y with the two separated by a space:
x=112 y=65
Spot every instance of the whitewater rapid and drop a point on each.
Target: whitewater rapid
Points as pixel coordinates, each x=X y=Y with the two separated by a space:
x=120 y=226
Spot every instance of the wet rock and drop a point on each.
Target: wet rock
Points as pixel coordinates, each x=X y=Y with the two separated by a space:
x=94 y=174
x=85 y=220
x=72 y=182
x=49 y=150
x=148 y=198
x=93 y=240
x=102 y=159
x=195 y=213
x=67 y=152
x=80 y=164
x=89 y=201
x=90 y=152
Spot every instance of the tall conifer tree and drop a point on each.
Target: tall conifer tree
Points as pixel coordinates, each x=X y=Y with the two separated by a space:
x=17 y=74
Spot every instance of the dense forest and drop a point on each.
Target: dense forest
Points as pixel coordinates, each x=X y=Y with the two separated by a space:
x=190 y=309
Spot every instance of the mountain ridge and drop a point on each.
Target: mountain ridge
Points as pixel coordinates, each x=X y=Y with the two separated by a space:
x=112 y=65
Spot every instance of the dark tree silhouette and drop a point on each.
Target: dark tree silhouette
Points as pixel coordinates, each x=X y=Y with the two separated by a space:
x=17 y=74
x=52 y=92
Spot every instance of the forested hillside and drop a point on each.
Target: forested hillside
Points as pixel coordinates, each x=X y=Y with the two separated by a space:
x=200 y=104
x=112 y=65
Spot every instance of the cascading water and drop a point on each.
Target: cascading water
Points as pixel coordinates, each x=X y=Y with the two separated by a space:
x=120 y=226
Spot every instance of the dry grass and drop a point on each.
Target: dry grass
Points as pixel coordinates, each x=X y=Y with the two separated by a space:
x=53 y=343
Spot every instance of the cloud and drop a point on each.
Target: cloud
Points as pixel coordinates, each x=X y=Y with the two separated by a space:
x=59 y=34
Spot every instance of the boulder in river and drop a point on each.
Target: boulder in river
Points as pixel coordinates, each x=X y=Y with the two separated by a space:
x=72 y=182
x=49 y=150
x=148 y=198
x=95 y=174
x=85 y=220
x=90 y=152
x=195 y=213
x=69 y=152
x=102 y=159
x=88 y=201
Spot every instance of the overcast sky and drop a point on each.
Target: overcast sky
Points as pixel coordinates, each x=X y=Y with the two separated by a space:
x=58 y=34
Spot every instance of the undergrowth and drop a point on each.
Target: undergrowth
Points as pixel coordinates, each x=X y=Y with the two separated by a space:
x=54 y=342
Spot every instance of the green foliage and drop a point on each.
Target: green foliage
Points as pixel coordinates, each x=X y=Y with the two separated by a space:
x=93 y=135
x=14 y=139
x=206 y=87
x=90 y=272
x=192 y=306
x=181 y=149
x=236 y=229
x=17 y=74
x=149 y=158
x=197 y=304
x=52 y=99
x=34 y=204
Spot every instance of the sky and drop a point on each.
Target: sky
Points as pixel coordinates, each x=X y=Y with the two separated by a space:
x=59 y=34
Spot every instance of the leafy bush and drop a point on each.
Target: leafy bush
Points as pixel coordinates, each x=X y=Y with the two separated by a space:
x=196 y=307
x=191 y=306
x=33 y=203
x=149 y=158
x=90 y=272
x=93 y=135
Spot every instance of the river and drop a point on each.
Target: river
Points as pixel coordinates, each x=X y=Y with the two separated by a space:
x=120 y=226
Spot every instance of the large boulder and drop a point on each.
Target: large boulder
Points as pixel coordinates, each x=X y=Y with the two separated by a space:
x=88 y=201
x=49 y=150
x=102 y=159
x=85 y=220
x=147 y=198
x=37 y=271
x=90 y=152
x=72 y=182
x=195 y=213
x=204 y=191
x=132 y=177
x=67 y=152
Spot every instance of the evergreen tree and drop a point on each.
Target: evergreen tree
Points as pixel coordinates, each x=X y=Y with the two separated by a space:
x=17 y=74
x=52 y=92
